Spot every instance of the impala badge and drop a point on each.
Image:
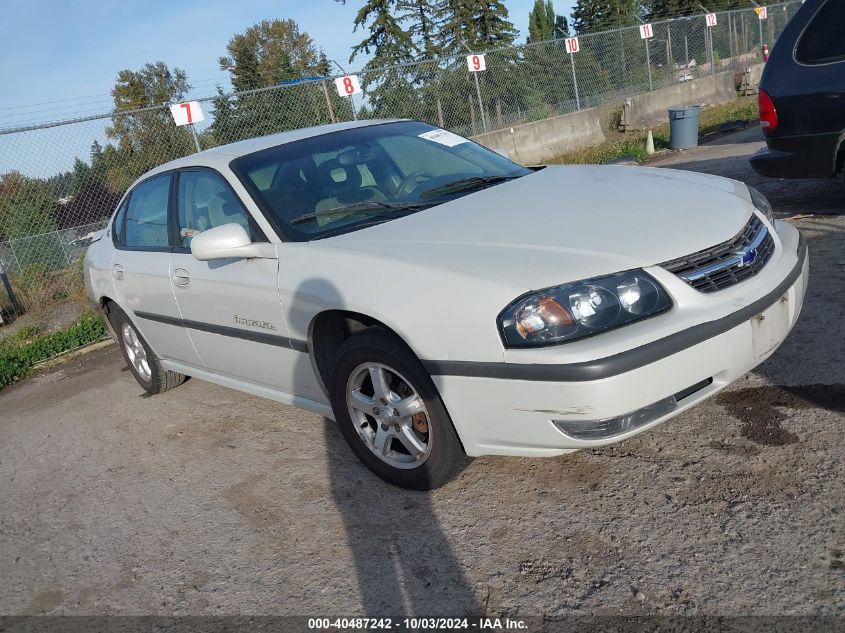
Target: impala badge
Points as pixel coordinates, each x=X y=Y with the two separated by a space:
x=264 y=325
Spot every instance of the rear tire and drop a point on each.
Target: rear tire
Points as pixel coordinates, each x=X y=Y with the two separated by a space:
x=397 y=426
x=139 y=356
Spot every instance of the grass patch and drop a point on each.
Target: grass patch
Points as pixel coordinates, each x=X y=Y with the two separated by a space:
x=26 y=348
x=633 y=143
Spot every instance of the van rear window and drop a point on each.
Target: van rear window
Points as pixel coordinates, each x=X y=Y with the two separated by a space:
x=822 y=41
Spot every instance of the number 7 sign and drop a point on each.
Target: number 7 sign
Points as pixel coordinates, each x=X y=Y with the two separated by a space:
x=186 y=113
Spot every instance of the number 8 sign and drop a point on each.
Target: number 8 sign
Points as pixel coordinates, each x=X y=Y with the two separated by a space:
x=348 y=85
x=476 y=63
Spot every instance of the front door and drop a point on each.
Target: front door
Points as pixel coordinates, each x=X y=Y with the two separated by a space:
x=230 y=307
x=141 y=270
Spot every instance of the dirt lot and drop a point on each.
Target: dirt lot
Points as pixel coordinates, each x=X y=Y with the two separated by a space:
x=205 y=500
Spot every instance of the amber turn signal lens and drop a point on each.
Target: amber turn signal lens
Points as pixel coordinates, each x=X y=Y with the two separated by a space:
x=547 y=312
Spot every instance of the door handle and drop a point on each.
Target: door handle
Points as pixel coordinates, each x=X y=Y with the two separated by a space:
x=181 y=277
x=117 y=271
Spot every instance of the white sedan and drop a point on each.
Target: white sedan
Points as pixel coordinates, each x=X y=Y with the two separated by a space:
x=439 y=301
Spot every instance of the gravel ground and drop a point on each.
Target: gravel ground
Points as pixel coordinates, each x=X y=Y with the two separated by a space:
x=208 y=501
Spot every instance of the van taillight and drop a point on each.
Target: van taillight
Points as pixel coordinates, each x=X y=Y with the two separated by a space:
x=768 y=114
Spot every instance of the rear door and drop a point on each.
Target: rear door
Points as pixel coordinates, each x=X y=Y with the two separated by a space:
x=141 y=269
x=230 y=307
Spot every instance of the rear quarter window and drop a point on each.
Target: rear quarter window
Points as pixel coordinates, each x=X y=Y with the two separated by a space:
x=823 y=40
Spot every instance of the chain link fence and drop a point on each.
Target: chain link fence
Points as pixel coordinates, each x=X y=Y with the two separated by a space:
x=63 y=179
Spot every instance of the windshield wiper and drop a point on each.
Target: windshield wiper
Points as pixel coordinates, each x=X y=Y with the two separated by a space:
x=369 y=206
x=464 y=184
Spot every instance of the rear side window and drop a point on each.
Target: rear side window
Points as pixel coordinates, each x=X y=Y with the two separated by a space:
x=822 y=41
x=145 y=225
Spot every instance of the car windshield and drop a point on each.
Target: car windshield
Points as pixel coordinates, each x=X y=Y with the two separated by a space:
x=344 y=181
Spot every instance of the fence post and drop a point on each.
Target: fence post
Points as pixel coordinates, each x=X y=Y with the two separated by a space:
x=499 y=113
x=440 y=112
x=480 y=102
x=329 y=102
x=15 y=256
x=575 y=81
x=16 y=307
x=472 y=117
x=648 y=63
x=712 y=56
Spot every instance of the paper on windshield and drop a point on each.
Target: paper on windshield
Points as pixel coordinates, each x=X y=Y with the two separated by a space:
x=444 y=137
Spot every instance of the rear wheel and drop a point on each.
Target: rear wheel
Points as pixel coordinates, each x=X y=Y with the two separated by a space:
x=391 y=415
x=142 y=361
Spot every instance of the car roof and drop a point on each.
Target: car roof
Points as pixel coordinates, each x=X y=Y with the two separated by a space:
x=224 y=154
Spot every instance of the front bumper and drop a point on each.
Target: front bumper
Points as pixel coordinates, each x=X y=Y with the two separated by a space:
x=513 y=414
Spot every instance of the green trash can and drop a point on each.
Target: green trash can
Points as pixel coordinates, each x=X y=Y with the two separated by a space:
x=683 y=126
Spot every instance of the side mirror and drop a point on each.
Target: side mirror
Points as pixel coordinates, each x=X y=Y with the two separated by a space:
x=229 y=241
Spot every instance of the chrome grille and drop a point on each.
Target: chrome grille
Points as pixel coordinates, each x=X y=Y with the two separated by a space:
x=728 y=263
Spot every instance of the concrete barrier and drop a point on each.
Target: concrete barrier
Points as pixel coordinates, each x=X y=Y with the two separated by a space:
x=649 y=109
x=540 y=141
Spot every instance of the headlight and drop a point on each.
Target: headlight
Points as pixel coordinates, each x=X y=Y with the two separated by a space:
x=762 y=204
x=580 y=309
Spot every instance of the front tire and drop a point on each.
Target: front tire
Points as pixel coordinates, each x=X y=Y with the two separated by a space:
x=391 y=415
x=140 y=358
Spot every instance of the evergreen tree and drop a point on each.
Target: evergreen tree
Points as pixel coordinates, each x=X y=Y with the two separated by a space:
x=561 y=29
x=480 y=24
x=541 y=22
x=421 y=15
x=603 y=15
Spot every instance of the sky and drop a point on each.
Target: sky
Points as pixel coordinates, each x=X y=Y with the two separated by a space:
x=59 y=58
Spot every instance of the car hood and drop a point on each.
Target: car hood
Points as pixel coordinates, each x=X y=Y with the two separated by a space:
x=563 y=223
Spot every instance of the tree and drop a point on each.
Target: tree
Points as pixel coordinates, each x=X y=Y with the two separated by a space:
x=602 y=15
x=147 y=138
x=479 y=24
x=541 y=22
x=561 y=28
x=388 y=42
x=421 y=15
x=268 y=53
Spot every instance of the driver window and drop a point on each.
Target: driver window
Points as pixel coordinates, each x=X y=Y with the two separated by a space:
x=205 y=201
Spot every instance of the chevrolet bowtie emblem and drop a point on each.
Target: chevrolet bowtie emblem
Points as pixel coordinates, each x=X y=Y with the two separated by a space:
x=746 y=258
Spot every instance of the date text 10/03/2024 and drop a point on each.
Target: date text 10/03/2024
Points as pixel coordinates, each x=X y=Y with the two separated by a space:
x=416 y=624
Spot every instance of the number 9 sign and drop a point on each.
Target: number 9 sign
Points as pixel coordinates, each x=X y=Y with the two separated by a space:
x=476 y=63
x=348 y=85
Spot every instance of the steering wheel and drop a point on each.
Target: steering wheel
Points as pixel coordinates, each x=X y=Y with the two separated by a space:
x=410 y=182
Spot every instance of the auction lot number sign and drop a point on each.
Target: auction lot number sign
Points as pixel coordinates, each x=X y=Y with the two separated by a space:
x=348 y=85
x=476 y=63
